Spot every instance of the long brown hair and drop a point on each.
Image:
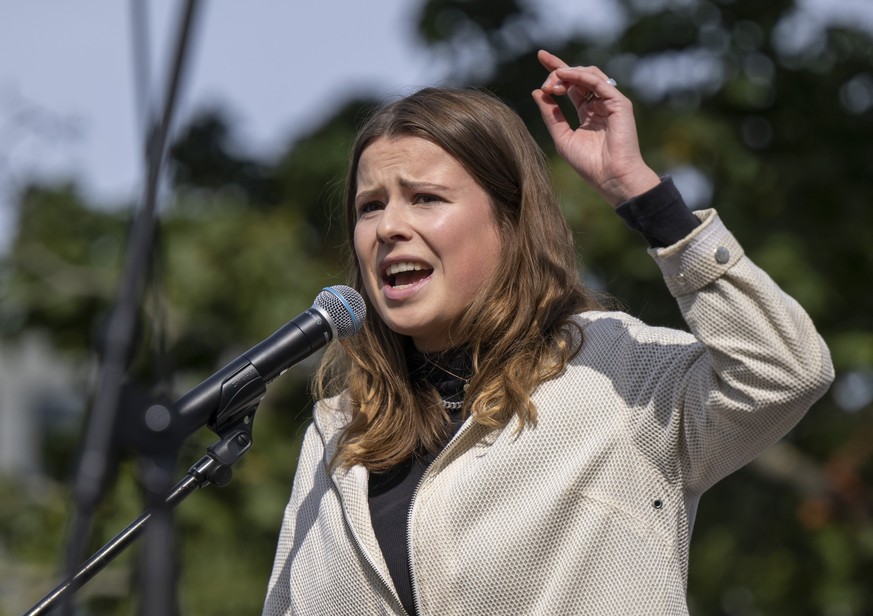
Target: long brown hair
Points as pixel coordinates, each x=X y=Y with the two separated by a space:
x=519 y=329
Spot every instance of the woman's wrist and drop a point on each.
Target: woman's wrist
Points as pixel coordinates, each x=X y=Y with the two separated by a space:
x=660 y=214
x=632 y=185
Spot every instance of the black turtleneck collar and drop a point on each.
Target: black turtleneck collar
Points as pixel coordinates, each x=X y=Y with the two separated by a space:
x=447 y=371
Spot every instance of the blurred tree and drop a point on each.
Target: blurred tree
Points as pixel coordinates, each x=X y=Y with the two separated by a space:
x=62 y=268
x=203 y=157
x=312 y=173
x=749 y=105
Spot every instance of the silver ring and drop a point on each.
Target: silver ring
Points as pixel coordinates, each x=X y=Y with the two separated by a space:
x=592 y=95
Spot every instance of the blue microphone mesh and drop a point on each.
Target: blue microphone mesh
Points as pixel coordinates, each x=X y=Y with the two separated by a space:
x=346 y=308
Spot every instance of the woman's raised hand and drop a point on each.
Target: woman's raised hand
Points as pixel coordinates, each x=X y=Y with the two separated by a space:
x=603 y=148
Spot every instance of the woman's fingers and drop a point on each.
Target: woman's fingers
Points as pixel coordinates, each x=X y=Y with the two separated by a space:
x=549 y=60
x=553 y=117
x=588 y=82
x=581 y=83
x=551 y=63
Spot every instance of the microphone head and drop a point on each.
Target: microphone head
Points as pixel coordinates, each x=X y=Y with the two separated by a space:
x=345 y=307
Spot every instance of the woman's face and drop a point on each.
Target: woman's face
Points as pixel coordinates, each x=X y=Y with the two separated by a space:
x=425 y=237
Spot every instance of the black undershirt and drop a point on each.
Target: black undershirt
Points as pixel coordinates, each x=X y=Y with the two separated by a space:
x=390 y=497
x=391 y=491
x=661 y=216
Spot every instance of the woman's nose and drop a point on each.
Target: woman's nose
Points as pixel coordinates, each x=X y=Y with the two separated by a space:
x=394 y=224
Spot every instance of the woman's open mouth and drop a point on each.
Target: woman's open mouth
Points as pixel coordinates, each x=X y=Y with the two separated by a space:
x=405 y=274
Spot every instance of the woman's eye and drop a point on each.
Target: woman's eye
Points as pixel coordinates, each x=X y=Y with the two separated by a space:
x=370 y=206
x=427 y=198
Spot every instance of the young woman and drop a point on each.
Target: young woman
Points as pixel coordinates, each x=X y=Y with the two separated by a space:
x=494 y=442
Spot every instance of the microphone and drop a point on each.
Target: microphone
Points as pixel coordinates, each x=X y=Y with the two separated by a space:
x=234 y=391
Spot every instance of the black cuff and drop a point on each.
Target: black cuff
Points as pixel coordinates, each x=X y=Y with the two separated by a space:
x=660 y=214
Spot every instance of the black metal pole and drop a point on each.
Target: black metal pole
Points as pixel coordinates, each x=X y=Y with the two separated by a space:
x=93 y=465
x=111 y=550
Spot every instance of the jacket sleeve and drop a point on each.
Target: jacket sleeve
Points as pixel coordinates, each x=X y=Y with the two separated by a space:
x=758 y=363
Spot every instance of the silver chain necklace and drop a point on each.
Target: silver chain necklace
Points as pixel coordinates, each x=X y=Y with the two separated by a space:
x=447 y=404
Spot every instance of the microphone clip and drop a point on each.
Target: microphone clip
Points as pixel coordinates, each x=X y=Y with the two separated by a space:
x=241 y=393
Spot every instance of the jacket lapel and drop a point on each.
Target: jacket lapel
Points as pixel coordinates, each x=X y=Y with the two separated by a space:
x=352 y=485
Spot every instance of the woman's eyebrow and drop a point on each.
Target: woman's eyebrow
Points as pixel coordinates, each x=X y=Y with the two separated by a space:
x=406 y=184
x=413 y=185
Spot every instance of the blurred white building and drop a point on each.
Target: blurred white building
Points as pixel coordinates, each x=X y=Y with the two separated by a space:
x=38 y=393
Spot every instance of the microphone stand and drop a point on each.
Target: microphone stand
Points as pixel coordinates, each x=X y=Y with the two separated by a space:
x=158 y=430
x=214 y=468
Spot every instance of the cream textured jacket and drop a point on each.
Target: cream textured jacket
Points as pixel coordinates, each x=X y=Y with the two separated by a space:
x=589 y=512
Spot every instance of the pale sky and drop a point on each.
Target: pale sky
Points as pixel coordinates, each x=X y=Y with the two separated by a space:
x=68 y=103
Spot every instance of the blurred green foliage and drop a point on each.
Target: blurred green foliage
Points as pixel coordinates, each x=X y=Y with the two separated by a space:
x=778 y=135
